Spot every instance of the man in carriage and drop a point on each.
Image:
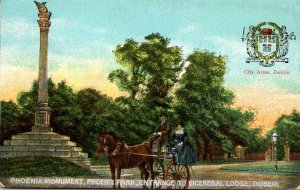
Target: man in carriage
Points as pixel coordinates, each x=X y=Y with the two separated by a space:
x=162 y=134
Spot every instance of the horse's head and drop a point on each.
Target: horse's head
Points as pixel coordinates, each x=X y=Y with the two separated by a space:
x=106 y=141
x=102 y=144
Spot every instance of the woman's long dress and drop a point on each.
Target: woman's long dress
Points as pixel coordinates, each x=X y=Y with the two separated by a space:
x=185 y=151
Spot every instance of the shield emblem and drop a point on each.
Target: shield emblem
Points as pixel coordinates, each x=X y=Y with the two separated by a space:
x=267 y=44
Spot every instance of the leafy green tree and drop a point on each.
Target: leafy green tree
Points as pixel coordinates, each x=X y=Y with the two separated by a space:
x=27 y=102
x=66 y=115
x=255 y=142
x=235 y=125
x=133 y=123
x=9 y=125
x=201 y=97
x=288 y=129
x=96 y=109
x=151 y=69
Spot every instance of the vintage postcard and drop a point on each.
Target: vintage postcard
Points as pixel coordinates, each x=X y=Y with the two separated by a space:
x=140 y=94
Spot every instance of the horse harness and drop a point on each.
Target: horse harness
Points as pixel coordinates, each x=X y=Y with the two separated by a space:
x=128 y=154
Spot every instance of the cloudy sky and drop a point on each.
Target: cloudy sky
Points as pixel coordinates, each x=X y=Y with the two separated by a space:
x=84 y=33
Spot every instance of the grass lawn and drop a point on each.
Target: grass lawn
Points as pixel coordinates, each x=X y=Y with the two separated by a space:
x=285 y=168
x=40 y=166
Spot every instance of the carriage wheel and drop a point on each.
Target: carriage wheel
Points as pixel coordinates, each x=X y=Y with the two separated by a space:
x=179 y=174
x=159 y=170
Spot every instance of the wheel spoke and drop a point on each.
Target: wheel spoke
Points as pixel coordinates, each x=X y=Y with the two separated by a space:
x=174 y=171
x=170 y=174
x=184 y=174
x=161 y=178
x=176 y=168
x=181 y=168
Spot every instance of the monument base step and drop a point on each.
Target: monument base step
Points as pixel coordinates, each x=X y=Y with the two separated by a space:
x=44 y=143
x=41 y=129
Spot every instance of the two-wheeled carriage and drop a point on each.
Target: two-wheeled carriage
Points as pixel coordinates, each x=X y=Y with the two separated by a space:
x=168 y=172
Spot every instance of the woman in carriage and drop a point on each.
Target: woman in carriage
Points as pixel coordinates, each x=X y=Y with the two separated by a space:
x=185 y=151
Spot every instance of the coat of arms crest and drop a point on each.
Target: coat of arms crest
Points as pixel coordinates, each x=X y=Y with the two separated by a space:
x=267 y=43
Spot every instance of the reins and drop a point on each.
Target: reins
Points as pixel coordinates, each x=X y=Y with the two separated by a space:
x=139 y=154
x=128 y=153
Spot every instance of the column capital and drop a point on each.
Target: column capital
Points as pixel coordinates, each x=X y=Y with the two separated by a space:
x=44 y=25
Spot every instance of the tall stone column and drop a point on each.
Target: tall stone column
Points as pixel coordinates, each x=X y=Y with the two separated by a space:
x=42 y=110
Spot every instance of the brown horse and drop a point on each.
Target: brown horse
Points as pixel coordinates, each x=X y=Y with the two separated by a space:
x=123 y=156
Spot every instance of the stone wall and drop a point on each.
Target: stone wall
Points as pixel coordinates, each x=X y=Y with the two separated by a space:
x=255 y=156
x=295 y=156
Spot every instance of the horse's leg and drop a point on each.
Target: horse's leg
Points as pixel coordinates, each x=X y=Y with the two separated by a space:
x=144 y=173
x=113 y=175
x=150 y=167
x=119 y=177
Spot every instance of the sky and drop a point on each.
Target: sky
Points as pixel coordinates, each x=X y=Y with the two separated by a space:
x=84 y=33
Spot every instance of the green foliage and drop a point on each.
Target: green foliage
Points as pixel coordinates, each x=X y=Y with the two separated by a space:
x=203 y=102
x=150 y=69
x=9 y=115
x=256 y=143
x=201 y=95
x=235 y=125
x=287 y=128
x=41 y=167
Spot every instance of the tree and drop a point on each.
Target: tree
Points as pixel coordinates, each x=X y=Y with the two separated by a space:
x=150 y=69
x=201 y=98
x=27 y=102
x=288 y=129
x=66 y=116
x=255 y=142
x=9 y=125
x=235 y=125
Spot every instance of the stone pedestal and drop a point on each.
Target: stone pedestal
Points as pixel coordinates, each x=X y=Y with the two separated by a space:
x=42 y=119
x=37 y=143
